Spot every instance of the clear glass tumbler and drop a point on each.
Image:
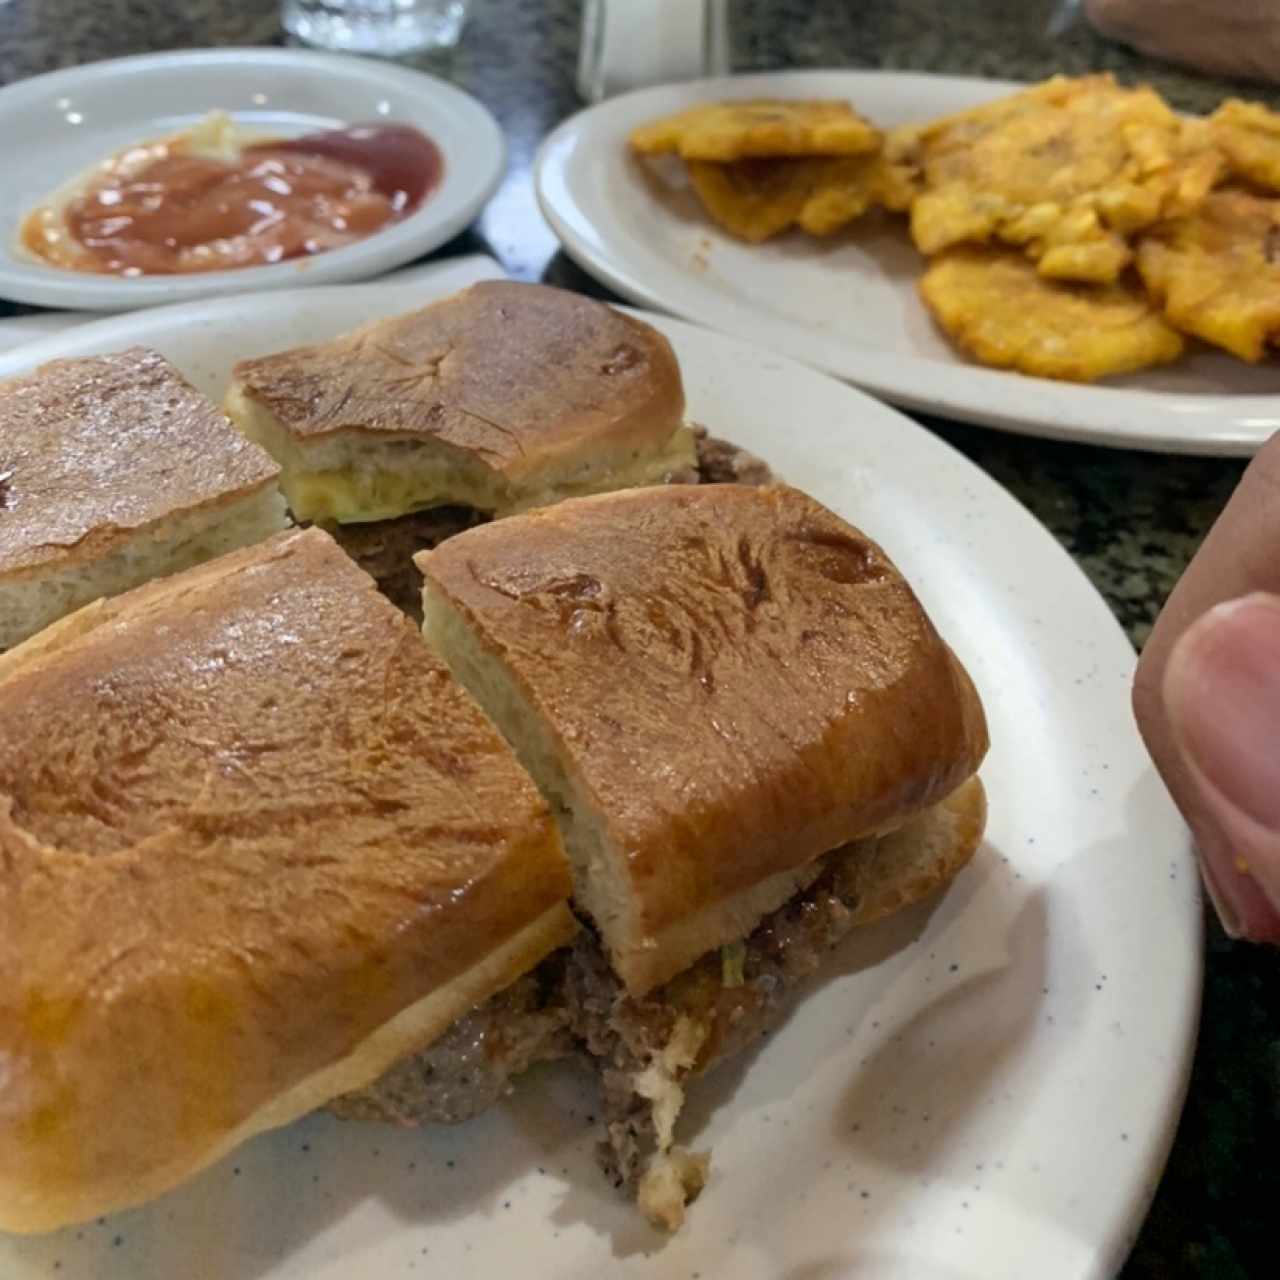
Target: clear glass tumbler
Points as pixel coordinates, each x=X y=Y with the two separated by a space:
x=627 y=44
x=385 y=28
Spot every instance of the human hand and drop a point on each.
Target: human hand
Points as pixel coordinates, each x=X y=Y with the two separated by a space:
x=1225 y=37
x=1207 y=699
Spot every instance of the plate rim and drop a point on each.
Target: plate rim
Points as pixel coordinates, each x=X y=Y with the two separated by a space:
x=961 y=392
x=419 y=234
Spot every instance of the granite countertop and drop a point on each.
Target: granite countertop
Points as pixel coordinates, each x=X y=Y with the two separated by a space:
x=1130 y=520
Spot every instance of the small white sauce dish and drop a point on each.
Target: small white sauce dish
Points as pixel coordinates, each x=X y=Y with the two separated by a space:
x=56 y=126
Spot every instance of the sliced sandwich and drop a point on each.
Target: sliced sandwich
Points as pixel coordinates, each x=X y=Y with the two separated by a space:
x=261 y=848
x=753 y=739
x=502 y=397
x=115 y=470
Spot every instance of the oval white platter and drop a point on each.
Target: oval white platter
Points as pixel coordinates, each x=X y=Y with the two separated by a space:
x=983 y=1088
x=848 y=304
x=56 y=126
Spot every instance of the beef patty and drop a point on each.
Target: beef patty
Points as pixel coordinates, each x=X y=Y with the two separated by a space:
x=384 y=549
x=573 y=1003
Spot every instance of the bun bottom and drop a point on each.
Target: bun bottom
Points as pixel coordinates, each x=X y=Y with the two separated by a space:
x=921 y=856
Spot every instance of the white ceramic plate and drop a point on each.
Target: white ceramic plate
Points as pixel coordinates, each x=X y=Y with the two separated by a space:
x=978 y=1090
x=55 y=126
x=849 y=304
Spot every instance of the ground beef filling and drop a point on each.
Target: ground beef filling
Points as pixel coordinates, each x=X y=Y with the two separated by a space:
x=384 y=549
x=732 y=996
x=474 y=1063
x=574 y=1004
x=720 y=462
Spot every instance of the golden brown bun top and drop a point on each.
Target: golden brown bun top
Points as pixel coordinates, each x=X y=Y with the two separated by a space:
x=94 y=449
x=743 y=680
x=515 y=373
x=246 y=817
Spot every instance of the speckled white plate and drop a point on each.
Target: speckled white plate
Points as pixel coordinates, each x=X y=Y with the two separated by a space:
x=56 y=126
x=848 y=304
x=982 y=1089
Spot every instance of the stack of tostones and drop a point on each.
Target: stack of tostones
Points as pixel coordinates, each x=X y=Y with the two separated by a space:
x=1065 y=175
x=762 y=166
x=1065 y=171
x=1077 y=229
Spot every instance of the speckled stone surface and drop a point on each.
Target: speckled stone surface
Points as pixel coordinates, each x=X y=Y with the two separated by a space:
x=1130 y=520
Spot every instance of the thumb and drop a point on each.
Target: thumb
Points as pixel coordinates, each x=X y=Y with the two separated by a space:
x=1222 y=696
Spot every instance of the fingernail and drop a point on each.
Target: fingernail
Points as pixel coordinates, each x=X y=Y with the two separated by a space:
x=1222 y=690
x=1228 y=916
x=1239 y=902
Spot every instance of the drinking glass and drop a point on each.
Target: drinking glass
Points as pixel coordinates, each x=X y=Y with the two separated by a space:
x=387 y=28
x=627 y=44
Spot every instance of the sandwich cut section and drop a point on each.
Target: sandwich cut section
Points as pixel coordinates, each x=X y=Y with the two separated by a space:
x=714 y=685
x=501 y=397
x=115 y=470
x=262 y=848
x=754 y=740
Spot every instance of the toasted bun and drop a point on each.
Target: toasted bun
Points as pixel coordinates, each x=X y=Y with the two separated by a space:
x=34 y=599
x=501 y=397
x=255 y=845
x=114 y=470
x=92 y=450
x=715 y=685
